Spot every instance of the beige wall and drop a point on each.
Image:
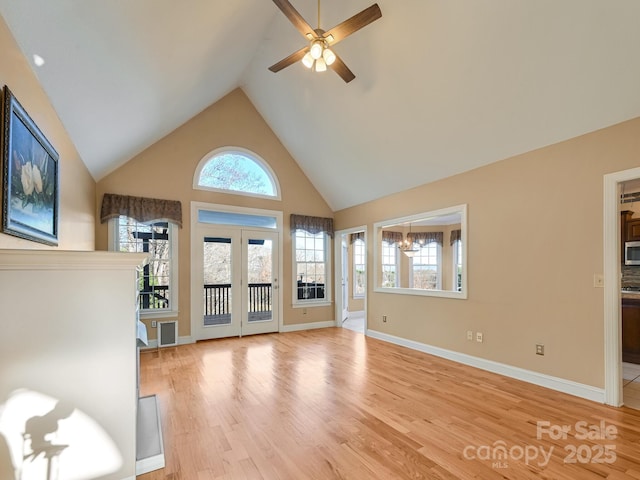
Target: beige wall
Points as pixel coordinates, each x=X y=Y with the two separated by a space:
x=166 y=169
x=77 y=187
x=535 y=241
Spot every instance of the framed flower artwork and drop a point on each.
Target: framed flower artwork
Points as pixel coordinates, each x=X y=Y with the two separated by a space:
x=29 y=176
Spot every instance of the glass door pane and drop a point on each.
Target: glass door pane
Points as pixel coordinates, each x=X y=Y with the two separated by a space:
x=217 y=292
x=260 y=266
x=259 y=279
x=215 y=283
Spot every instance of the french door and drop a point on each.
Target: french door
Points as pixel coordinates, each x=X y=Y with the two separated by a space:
x=234 y=282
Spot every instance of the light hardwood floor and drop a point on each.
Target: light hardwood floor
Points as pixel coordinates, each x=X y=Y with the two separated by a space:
x=631 y=385
x=334 y=404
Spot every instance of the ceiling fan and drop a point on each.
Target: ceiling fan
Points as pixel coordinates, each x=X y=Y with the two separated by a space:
x=318 y=55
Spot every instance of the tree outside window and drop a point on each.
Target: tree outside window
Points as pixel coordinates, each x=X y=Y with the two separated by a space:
x=154 y=283
x=425 y=267
x=237 y=172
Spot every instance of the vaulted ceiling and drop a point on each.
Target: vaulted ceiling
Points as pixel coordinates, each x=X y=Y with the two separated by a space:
x=442 y=86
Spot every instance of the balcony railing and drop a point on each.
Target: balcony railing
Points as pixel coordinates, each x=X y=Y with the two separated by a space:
x=310 y=290
x=157 y=297
x=217 y=299
x=217 y=303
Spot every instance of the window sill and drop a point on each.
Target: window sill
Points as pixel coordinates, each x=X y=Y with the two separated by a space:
x=158 y=314
x=311 y=304
x=424 y=293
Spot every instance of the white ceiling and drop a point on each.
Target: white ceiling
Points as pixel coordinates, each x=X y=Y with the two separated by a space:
x=442 y=86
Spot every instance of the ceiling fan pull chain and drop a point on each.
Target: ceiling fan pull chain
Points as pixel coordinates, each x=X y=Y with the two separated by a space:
x=318 y=14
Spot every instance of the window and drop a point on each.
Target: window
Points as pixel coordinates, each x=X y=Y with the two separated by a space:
x=311 y=267
x=236 y=170
x=156 y=285
x=425 y=266
x=389 y=264
x=457 y=265
x=432 y=273
x=359 y=267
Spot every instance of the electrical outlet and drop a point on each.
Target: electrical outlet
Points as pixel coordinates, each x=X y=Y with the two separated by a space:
x=539 y=349
x=598 y=280
x=384 y=318
x=479 y=337
x=470 y=335
x=154 y=324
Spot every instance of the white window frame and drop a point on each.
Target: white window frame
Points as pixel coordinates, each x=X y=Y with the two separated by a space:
x=311 y=302
x=438 y=265
x=246 y=153
x=173 y=310
x=457 y=253
x=360 y=244
x=377 y=231
x=393 y=246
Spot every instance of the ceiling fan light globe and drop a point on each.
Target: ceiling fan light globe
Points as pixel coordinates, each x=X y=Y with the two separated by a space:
x=307 y=60
x=321 y=65
x=329 y=56
x=316 y=49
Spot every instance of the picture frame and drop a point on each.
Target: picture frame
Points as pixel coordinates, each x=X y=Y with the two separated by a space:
x=30 y=176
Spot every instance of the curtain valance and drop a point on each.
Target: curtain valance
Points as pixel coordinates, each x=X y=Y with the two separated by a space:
x=455 y=236
x=140 y=208
x=425 y=237
x=312 y=225
x=391 y=237
x=356 y=236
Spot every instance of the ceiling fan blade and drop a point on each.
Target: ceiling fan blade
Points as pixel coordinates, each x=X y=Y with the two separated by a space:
x=294 y=17
x=353 y=24
x=290 y=60
x=341 y=69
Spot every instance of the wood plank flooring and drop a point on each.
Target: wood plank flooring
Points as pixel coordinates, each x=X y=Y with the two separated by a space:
x=334 y=404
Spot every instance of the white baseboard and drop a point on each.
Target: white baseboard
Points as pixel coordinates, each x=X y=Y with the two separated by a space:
x=555 y=383
x=307 y=326
x=181 y=341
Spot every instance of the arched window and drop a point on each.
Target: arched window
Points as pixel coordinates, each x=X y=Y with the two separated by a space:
x=236 y=170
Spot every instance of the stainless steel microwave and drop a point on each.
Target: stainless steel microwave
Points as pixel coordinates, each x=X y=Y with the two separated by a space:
x=632 y=253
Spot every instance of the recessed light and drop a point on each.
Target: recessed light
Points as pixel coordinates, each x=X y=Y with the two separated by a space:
x=38 y=60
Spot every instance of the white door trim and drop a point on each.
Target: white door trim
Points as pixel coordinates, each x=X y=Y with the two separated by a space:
x=612 y=316
x=337 y=238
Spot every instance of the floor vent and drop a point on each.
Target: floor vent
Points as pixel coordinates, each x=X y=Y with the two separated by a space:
x=167 y=333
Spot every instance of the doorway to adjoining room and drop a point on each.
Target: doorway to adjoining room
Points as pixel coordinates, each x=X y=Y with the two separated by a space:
x=351 y=273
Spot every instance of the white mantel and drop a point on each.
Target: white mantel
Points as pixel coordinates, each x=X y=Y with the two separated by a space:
x=68 y=333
